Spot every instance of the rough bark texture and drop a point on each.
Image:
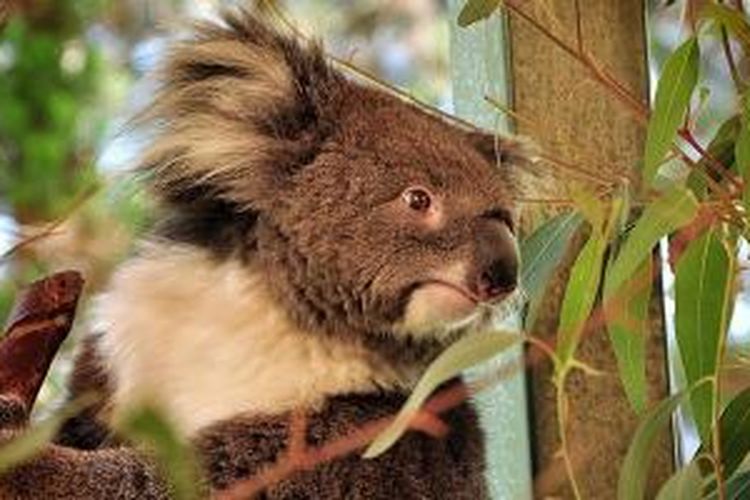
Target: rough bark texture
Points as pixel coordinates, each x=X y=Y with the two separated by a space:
x=579 y=121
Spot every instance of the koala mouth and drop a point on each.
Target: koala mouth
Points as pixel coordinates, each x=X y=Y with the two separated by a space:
x=461 y=290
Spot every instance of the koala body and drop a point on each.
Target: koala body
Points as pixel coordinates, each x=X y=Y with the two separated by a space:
x=320 y=242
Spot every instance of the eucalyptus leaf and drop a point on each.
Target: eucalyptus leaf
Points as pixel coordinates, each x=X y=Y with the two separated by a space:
x=476 y=10
x=720 y=149
x=32 y=440
x=735 y=432
x=29 y=443
x=742 y=153
x=580 y=294
x=588 y=204
x=634 y=470
x=731 y=19
x=583 y=283
x=685 y=484
x=461 y=355
x=703 y=293
x=738 y=487
x=150 y=427
x=674 y=209
x=676 y=84
x=628 y=326
x=541 y=254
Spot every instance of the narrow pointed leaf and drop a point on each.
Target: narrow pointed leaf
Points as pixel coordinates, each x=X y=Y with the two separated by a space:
x=32 y=440
x=735 y=432
x=737 y=487
x=463 y=354
x=541 y=254
x=151 y=428
x=731 y=19
x=476 y=10
x=720 y=149
x=580 y=295
x=627 y=322
x=671 y=211
x=703 y=289
x=675 y=87
x=585 y=275
x=634 y=471
x=589 y=205
x=742 y=153
x=685 y=484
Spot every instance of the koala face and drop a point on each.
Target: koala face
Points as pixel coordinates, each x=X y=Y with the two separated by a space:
x=400 y=224
x=366 y=215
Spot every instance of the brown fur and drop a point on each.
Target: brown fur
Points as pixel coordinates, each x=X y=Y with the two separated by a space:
x=418 y=467
x=265 y=155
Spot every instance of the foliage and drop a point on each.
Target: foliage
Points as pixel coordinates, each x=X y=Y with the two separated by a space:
x=44 y=147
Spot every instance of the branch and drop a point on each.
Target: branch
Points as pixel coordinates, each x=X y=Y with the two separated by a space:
x=40 y=321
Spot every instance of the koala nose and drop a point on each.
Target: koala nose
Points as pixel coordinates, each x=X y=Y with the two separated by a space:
x=496 y=261
x=501 y=277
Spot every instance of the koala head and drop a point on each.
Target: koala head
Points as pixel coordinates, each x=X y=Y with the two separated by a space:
x=365 y=214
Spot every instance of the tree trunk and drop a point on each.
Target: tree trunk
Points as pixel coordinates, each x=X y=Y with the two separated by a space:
x=577 y=120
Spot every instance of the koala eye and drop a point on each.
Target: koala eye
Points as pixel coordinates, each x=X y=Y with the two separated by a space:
x=417 y=198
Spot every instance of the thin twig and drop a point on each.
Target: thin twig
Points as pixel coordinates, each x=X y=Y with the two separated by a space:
x=579 y=28
x=366 y=75
x=731 y=64
x=50 y=229
x=712 y=162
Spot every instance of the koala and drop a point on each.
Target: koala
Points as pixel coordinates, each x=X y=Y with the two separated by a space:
x=318 y=243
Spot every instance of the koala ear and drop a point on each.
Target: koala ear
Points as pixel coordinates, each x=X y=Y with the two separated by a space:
x=514 y=151
x=240 y=107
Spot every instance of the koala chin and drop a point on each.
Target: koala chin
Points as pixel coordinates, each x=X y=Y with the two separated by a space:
x=319 y=242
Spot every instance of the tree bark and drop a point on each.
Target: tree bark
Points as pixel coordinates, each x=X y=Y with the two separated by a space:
x=577 y=120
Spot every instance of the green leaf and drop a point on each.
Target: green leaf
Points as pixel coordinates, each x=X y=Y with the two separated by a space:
x=685 y=484
x=629 y=277
x=464 y=353
x=731 y=19
x=588 y=204
x=476 y=10
x=150 y=427
x=583 y=283
x=580 y=295
x=671 y=211
x=28 y=444
x=735 y=432
x=721 y=149
x=634 y=471
x=676 y=85
x=738 y=487
x=628 y=325
x=31 y=441
x=541 y=253
x=742 y=153
x=703 y=291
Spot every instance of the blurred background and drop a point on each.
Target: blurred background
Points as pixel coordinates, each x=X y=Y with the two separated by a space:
x=71 y=75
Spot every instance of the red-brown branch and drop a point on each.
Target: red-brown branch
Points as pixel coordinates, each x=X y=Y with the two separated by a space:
x=40 y=321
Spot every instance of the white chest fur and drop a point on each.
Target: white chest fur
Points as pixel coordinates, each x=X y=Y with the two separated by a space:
x=204 y=340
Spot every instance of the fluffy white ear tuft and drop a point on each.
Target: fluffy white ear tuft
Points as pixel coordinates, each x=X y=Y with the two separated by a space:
x=240 y=107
